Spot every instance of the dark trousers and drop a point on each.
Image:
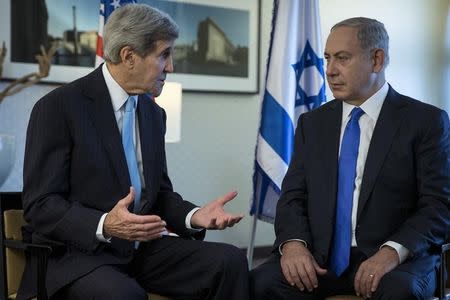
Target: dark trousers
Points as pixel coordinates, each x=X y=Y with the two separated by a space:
x=174 y=267
x=267 y=282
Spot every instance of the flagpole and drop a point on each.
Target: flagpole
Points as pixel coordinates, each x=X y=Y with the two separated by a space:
x=251 y=244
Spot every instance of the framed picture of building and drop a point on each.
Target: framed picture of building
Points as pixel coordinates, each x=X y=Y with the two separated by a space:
x=217 y=50
x=218 y=44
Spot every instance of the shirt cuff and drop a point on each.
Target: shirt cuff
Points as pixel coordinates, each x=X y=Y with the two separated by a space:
x=282 y=244
x=188 y=220
x=99 y=232
x=402 y=251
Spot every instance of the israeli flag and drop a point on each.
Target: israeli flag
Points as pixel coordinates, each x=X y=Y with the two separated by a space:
x=295 y=84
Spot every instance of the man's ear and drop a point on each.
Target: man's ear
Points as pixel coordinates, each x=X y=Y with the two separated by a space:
x=378 y=60
x=127 y=56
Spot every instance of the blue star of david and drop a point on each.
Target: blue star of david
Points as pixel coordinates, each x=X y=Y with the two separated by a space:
x=308 y=59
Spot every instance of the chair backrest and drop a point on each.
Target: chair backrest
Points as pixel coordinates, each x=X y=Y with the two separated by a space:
x=15 y=258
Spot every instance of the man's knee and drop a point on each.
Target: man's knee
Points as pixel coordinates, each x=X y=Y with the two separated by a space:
x=405 y=286
x=119 y=291
x=233 y=259
x=259 y=283
x=105 y=282
x=265 y=282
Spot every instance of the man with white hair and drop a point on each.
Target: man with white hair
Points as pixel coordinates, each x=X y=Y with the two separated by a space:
x=96 y=182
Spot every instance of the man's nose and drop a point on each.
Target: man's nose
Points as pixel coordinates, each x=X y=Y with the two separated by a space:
x=169 y=65
x=331 y=68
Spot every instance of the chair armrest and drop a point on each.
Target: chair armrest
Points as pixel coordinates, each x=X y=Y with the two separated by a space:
x=29 y=247
x=41 y=252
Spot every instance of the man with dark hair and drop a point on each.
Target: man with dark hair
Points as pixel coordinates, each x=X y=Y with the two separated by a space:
x=96 y=182
x=365 y=202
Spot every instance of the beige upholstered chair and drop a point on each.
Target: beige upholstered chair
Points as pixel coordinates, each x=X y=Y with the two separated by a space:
x=15 y=259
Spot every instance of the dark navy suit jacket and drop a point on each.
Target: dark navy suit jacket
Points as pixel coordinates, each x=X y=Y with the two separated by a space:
x=75 y=170
x=405 y=190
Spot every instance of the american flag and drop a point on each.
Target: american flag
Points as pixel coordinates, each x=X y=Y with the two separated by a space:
x=106 y=8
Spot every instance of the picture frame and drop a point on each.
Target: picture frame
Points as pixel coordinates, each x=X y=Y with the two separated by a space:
x=217 y=49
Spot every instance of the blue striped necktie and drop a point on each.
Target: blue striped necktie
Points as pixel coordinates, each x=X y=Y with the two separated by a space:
x=130 y=151
x=340 y=253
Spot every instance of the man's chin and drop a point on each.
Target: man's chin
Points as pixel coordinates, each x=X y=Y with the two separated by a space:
x=155 y=92
x=339 y=95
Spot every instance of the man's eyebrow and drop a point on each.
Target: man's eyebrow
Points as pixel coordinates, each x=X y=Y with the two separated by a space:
x=337 y=53
x=167 y=50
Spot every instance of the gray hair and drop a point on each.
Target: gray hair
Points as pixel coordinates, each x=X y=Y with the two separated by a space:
x=138 y=26
x=371 y=34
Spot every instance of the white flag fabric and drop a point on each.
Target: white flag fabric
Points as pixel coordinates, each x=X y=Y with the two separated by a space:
x=106 y=8
x=295 y=84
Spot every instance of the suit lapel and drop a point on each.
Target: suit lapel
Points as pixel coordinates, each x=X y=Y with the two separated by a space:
x=383 y=135
x=331 y=135
x=147 y=119
x=102 y=115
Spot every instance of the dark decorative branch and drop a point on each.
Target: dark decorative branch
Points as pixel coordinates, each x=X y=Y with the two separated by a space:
x=2 y=57
x=44 y=60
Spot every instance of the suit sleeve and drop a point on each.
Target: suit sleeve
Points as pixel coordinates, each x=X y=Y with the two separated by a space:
x=46 y=191
x=429 y=225
x=291 y=221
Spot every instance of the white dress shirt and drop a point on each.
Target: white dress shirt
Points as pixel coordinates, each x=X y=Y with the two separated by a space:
x=367 y=121
x=118 y=99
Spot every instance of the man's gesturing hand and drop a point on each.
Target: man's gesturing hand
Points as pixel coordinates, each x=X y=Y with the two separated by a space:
x=119 y=222
x=299 y=266
x=213 y=215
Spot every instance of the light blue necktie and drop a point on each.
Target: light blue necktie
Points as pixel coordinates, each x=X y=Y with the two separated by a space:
x=130 y=152
x=340 y=253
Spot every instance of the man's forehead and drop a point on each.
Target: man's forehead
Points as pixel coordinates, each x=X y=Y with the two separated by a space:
x=342 y=39
x=164 y=44
x=343 y=34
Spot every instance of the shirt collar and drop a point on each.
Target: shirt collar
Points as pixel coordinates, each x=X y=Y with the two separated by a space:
x=118 y=95
x=371 y=106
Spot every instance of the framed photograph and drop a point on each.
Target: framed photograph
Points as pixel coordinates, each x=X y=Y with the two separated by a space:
x=217 y=50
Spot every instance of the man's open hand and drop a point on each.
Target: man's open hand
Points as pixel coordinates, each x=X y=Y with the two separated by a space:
x=213 y=216
x=119 y=222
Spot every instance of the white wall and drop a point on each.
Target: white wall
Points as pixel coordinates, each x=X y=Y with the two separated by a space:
x=218 y=134
x=417 y=31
